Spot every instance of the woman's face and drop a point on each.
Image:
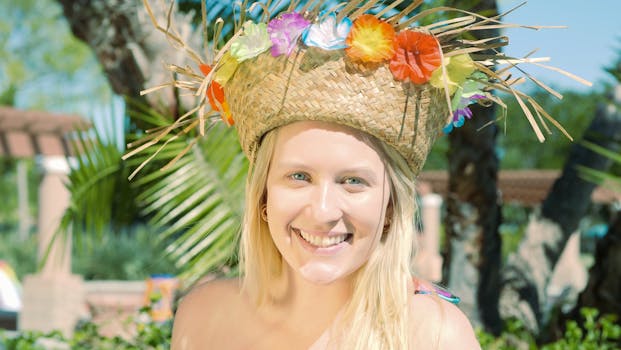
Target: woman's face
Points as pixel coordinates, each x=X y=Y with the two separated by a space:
x=327 y=194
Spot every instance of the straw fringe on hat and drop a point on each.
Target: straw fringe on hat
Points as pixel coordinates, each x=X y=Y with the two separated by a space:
x=268 y=93
x=267 y=76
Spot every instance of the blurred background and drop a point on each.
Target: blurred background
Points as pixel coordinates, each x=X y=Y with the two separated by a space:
x=527 y=233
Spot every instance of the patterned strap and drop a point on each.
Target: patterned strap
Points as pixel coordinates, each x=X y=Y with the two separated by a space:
x=431 y=288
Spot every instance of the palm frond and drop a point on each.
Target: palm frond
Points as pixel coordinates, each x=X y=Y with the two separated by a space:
x=606 y=179
x=97 y=176
x=196 y=202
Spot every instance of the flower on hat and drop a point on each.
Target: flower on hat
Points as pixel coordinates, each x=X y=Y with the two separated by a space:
x=328 y=34
x=217 y=100
x=252 y=42
x=417 y=55
x=370 y=40
x=458 y=68
x=468 y=93
x=284 y=32
x=226 y=68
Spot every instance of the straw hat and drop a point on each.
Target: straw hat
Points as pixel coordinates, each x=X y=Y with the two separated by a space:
x=384 y=75
x=269 y=93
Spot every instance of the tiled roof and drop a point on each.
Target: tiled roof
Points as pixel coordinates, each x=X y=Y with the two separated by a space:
x=528 y=187
x=28 y=133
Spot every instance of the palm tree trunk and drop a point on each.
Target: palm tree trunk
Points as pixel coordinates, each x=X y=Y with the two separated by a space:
x=526 y=276
x=473 y=254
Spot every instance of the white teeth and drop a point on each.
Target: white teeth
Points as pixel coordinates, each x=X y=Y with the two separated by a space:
x=322 y=241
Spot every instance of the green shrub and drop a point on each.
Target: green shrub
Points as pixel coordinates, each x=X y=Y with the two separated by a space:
x=20 y=254
x=597 y=333
x=148 y=335
x=130 y=255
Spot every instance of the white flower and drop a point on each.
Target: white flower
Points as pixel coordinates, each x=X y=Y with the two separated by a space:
x=328 y=34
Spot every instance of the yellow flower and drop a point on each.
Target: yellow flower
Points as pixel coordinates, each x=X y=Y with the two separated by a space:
x=458 y=68
x=226 y=68
x=370 y=40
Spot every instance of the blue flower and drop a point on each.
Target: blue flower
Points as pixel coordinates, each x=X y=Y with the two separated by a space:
x=328 y=34
x=462 y=111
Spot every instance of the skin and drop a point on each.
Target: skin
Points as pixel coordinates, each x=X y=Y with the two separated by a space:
x=340 y=187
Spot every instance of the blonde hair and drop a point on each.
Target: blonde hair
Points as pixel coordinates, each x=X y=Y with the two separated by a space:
x=379 y=307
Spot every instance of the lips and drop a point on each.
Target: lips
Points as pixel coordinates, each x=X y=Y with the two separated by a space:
x=323 y=241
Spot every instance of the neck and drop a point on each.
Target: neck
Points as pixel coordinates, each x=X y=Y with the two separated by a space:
x=303 y=301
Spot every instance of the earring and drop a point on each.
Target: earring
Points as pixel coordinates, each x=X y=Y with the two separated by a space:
x=264 y=212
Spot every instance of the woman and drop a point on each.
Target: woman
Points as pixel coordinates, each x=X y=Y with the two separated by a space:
x=326 y=255
x=336 y=112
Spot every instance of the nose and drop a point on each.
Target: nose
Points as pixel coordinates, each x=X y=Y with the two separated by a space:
x=326 y=203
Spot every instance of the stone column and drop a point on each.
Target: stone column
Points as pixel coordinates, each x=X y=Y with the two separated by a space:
x=428 y=259
x=53 y=298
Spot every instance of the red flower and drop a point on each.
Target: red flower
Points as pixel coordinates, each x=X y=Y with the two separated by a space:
x=215 y=95
x=416 y=57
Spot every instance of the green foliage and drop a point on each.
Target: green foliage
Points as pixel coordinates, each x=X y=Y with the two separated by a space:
x=128 y=255
x=20 y=255
x=101 y=195
x=38 y=54
x=193 y=205
x=148 y=335
x=518 y=145
x=514 y=221
x=596 y=333
x=615 y=68
x=197 y=201
x=610 y=179
x=9 y=216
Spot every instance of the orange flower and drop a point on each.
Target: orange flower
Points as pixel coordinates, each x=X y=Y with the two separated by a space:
x=370 y=40
x=417 y=56
x=217 y=100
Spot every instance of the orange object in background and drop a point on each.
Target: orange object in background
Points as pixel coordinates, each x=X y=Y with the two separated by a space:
x=160 y=294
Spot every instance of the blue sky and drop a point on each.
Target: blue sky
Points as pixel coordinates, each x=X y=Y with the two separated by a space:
x=590 y=42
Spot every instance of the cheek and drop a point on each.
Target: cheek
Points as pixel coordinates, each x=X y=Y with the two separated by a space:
x=282 y=204
x=370 y=210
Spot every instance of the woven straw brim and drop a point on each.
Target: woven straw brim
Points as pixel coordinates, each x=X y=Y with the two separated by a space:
x=266 y=93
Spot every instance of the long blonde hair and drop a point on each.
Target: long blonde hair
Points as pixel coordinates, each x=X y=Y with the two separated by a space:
x=379 y=307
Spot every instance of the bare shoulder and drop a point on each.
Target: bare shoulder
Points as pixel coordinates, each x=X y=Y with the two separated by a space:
x=201 y=311
x=441 y=324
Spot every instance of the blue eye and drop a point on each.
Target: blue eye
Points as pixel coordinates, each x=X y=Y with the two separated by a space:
x=299 y=177
x=353 y=181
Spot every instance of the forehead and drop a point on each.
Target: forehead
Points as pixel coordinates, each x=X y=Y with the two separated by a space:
x=324 y=142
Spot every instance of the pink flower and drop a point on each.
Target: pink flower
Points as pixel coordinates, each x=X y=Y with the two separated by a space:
x=284 y=32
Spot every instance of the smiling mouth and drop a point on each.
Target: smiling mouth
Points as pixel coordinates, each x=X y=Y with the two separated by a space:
x=324 y=241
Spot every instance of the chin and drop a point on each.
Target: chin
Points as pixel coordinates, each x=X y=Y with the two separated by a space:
x=323 y=274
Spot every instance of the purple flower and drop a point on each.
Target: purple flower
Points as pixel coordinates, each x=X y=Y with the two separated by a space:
x=462 y=112
x=284 y=32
